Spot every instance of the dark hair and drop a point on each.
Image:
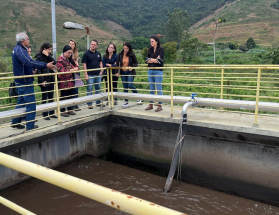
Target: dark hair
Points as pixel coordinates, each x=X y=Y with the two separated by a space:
x=151 y=49
x=107 y=53
x=45 y=46
x=130 y=52
x=94 y=41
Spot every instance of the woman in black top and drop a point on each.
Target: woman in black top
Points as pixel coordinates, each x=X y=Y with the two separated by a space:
x=46 y=82
x=127 y=58
x=109 y=60
x=155 y=58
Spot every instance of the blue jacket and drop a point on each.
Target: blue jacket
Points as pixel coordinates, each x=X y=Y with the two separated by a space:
x=24 y=65
x=110 y=61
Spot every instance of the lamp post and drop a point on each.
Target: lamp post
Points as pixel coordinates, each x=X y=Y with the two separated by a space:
x=53 y=28
x=74 y=26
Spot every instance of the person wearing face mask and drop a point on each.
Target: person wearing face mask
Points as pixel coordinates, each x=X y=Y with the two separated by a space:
x=127 y=58
x=66 y=81
x=46 y=83
x=155 y=58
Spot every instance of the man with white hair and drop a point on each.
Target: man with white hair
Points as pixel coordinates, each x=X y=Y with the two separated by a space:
x=23 y=65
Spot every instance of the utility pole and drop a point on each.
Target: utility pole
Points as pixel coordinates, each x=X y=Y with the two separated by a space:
x=216 y=32
x=53 y=29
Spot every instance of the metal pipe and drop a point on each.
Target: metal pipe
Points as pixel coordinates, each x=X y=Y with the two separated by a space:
x=178 y=147
x=15 y=207
x=203 y=102
x=109 y=197
x=171 y=92
x=53 y=29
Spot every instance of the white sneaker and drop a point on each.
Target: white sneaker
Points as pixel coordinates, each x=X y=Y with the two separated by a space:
x=125 y=105
x=139 y=102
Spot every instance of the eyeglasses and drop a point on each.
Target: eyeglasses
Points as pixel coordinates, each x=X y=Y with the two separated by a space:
x=111 y=47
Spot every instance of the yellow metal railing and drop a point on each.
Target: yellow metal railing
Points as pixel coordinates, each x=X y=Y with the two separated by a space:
x=239 y=82
x=107 y=196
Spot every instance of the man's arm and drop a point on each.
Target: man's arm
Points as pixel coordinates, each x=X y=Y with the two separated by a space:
x=101 y=66
x=85 y=73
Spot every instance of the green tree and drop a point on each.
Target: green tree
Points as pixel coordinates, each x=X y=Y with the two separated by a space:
x=233 y=45
x=144 y=53
x=177 y=25
x=170 y=52
x=250 y=44
x=139 y=42
x=191 y=48
x=275 y=56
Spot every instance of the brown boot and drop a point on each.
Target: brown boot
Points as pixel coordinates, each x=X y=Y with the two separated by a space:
x=150 y=106
x=159 y=108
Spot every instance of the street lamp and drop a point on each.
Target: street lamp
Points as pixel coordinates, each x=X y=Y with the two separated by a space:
x=74 y=26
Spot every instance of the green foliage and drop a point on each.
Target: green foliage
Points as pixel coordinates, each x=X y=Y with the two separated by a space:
x=243 y=48
x=170 y=52
x=275 y=56
x=251 y=43
x=145 y=17
x=177 y=24
x=191 y=48
x=275 y=5
x=233 y=45
x=144 y=53
x=139 y=42
x=5 y=61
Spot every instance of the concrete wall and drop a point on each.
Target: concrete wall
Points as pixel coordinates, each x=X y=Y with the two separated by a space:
x=54 y=149
x=229 y=164
x=244 y=164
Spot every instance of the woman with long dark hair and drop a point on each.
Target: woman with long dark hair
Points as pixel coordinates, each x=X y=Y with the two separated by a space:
x=127 y=58
x=155 y=58
x=46 y=83
x=109 y=60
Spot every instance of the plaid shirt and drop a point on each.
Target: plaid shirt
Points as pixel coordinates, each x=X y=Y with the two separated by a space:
x=66 y=80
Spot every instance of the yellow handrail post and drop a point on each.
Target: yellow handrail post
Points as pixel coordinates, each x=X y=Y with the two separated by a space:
x=57 y=97
x=171 y=92
x=107 y=196
x=255 y=124
x=111 y=88
x=222 y=83
x=108 y=87
x=15 y=207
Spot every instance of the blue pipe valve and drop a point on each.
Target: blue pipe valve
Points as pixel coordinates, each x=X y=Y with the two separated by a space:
x=193 y=95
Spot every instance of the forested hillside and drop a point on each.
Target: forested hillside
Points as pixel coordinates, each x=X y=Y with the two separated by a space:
x=142 y=17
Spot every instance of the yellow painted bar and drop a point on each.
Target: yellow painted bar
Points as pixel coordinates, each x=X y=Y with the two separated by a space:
x=111 y=88
x=109 y=197
x=57 y=96
x=15 y=207
x=171 y=92
x=108 y=88
x=222 y=83
x=257 y=98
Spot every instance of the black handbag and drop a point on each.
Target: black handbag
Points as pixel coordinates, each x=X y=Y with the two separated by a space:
x=12 y=90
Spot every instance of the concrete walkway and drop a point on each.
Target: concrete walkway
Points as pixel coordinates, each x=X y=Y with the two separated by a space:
x=218 y=119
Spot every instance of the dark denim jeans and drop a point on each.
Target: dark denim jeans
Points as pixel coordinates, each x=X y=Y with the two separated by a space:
x=21 y=100
x=127 y=82
x=96 y=81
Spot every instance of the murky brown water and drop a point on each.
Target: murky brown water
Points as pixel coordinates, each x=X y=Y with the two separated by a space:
x=45 y=199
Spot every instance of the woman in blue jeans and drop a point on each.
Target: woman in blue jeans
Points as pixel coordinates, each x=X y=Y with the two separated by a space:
x=155 y=58
x=127 y=58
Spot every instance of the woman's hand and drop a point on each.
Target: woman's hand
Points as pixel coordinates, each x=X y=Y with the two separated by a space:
x=44 y=84
x=45 y=52
x=109 y=65
x=117 y=74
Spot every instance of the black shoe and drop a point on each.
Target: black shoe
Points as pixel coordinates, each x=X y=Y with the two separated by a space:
x=47 y=118
x=35 y=127
x=53 y=116
x=18 y=126
x=76 y=108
